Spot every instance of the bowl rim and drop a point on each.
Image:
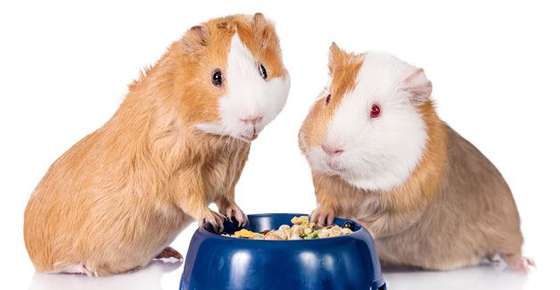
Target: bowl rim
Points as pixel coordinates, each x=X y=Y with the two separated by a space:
x=355 y=234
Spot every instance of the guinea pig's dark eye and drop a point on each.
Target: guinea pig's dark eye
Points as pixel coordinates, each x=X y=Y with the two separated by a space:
x=217 y=78
x=375 y=111
x=328 y=99
x=262 y=71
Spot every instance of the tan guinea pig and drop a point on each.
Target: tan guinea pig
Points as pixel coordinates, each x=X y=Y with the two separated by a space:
x=380 y=154
x=178 y=142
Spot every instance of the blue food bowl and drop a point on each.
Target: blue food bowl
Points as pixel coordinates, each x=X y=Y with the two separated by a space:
x=215 y=262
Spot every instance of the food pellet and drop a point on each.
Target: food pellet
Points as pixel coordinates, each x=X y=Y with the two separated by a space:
x=301 y=229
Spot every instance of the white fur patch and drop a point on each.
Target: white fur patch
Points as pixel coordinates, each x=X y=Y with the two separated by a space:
x=248 y=95
x=379 y=153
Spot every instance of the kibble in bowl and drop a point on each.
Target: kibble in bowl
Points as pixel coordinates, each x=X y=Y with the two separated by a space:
x=301 y=229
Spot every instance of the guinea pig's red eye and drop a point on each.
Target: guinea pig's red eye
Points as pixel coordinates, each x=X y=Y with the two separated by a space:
x=375 y=111
x=328 y=99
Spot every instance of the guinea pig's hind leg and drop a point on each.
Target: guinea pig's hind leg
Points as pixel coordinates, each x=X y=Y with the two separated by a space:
x=518 y=263
x=169 y=255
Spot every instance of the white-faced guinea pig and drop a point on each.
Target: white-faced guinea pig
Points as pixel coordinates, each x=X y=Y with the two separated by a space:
x=178 y=142
x=379 y=154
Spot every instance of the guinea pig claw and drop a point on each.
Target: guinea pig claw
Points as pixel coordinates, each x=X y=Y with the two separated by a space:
x=216 y=220
x=236 y=213
x=323 y=216
x=241 y=218
x=232 y=211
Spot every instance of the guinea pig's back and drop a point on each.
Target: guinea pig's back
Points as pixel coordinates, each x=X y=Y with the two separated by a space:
x=55 y=209
x=472 y=216
x=477 y=197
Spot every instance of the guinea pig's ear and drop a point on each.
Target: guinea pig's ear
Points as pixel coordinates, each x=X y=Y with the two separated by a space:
x=196 y=38
x=263 y=31
x=259 y=22
x=336 y=57
x=417 y=86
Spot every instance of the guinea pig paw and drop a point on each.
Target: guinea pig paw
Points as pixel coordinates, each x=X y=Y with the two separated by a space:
x=323 y=216
x=216 y=220
x=234 y=212
x=520 y=264
x=169 y=255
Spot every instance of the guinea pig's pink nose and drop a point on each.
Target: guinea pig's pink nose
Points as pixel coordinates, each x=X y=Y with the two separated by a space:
x=331 y=150
x=252 y=119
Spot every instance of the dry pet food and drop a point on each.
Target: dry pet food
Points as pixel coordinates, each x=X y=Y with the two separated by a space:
x=301 y=229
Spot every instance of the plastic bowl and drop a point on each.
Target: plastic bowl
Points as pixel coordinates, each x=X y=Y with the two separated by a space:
x=215 y=262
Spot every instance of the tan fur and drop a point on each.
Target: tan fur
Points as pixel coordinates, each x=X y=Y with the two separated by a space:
x=343 y=68
x=454 y=210
x=119 y=196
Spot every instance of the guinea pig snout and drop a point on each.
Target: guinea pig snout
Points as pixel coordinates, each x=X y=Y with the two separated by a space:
x=332 y=156
x=252 y=120
x=332 y=150
x=251 y=126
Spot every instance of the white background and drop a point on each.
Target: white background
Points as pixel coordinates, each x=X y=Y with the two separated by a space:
x=64 y=69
